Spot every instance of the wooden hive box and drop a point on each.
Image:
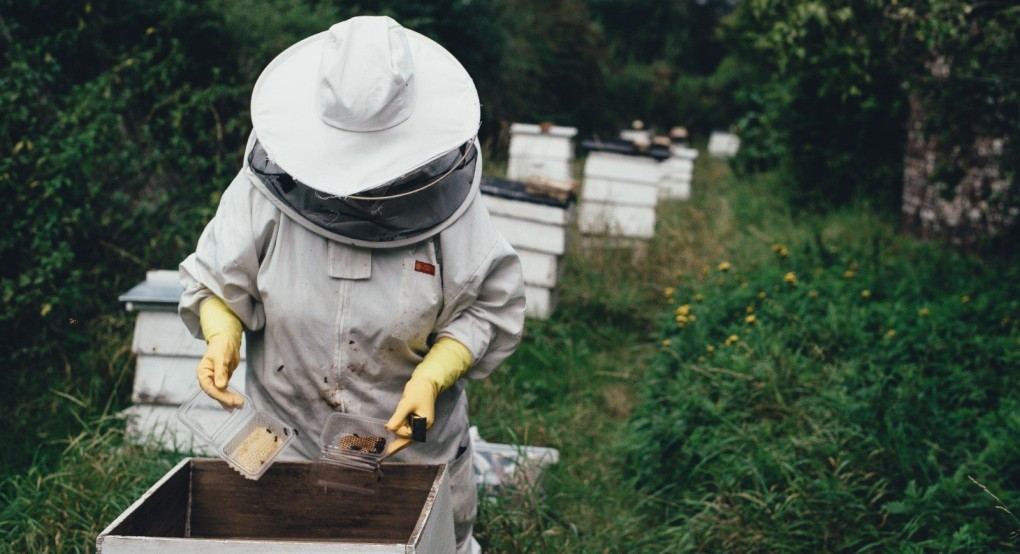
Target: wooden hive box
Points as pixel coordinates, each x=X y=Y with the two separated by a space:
x=538 y=229
x=202 y=505
x=723 y=145
x=677 y=174
x=166 y=358
x=620 y=194
x=540 y=150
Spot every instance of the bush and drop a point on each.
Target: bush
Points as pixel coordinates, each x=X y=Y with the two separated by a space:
x=841 y=397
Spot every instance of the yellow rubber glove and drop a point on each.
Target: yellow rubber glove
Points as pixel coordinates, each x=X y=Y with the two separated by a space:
x=222 y=330
x=446 y=362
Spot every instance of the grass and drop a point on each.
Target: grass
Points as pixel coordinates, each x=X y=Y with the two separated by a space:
x=583 y=380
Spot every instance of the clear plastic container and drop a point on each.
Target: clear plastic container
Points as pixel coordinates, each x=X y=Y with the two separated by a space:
x=353 y=447
x=249 y=440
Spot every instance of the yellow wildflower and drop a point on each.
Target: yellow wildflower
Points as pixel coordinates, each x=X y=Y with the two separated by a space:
x=865 y=293
x=749 y=309
x=923 y=312
x=751 y=319
x=710 y=348
x=965 y=298
x=743 y=285
x=698 y=298
x=890 y=333
x=790 y=278
x=668 y=292
x=732 y=339
x=781 y=250
x=849 y=274
x=684 y=309
x=666 y=342
x=761 y=295
x=725 y=266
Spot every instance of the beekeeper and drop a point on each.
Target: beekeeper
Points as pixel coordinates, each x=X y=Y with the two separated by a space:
x=354 y=250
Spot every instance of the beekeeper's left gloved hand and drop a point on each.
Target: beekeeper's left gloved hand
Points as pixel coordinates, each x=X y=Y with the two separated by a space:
x=446 y=362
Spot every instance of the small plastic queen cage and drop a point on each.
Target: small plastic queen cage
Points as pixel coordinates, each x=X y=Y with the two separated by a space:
x=353 y=448
x=249 y=440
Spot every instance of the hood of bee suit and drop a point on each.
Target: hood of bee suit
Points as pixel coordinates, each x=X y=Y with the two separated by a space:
x=412 y=208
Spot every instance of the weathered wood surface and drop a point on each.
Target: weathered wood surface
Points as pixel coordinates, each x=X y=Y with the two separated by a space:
x=203 y=505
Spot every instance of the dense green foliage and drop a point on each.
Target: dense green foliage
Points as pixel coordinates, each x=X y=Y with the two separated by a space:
x=828 y=98
x=844 y=396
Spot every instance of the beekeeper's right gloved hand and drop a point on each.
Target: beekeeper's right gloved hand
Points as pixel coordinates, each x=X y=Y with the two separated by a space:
x=222 y=330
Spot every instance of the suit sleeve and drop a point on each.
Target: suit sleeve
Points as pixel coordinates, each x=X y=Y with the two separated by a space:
x=485 y=313
x=226 y=260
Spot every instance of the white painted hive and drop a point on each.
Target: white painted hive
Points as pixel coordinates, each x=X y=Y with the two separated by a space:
x=544 y=151
x=538 y=229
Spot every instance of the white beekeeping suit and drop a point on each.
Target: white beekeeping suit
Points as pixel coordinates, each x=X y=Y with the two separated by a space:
x=354 y=238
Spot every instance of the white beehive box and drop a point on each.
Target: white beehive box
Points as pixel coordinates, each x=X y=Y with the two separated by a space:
x=723 y=145
x=677 y=174
x=166 y=359
x=540 y=150
x=538 y=229
x=202 y=505
x=619 y=195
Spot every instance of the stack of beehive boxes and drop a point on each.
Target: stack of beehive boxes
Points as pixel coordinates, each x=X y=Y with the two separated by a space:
x=535 y=224
x=723 y=145
x=677 y=173
x=166 y=359
x=540 y=150
x=619 y=193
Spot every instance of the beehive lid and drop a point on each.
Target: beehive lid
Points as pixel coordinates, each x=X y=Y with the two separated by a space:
x=516 y=190
x=655 y=152
x=539 y=129
x=160 y=291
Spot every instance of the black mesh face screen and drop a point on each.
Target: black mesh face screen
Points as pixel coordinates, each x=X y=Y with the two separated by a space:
x=365 y=219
